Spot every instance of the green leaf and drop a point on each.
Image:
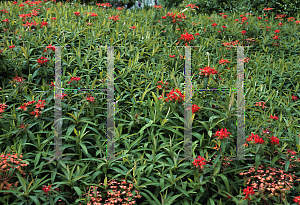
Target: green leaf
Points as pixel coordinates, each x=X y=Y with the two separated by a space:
x=37 y=159
x=204 y=125
x=257 y=161
x=172 y=199
x=78 y=191
x=287 y=164
x=211 y=201
x=225 y=181
x=119 y=171
x=84 y=149
x=141 y=131
x=156 y=201
x=181 y=190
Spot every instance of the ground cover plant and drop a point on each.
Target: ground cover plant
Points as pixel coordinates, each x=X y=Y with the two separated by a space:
x=149 y=164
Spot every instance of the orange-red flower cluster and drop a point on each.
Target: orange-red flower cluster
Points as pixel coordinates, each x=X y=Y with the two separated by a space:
x=42 y=60
x=274 y=140
x=255 y=138
x=223 y=61
x=221 y=134
x=199 y=162
x=173 y=96
x=114 y=18
x=207 y=71
x=104 y=5
x=160 y=83
x=74 y=78
x=179 y=16
x=46 y=189
x=36 y=112
x=297 y=199
x=158 y=7
x=262 y=104
x=248 y=191
x=192 y=6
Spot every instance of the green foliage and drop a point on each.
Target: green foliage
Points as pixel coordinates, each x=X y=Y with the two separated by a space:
x=150 y=142
x=287 y=7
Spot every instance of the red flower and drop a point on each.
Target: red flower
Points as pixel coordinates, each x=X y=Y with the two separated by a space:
x=280 y=24
x=222 y=133
x=224 y=62
x=224 y=26
x=187 y=37
x=260 y=104
x=53 y=18
x=172 y=56
x=291 y=151
x=258 y=140
x=18 y=79
x=173 y=96
x=36 y=113
x=192 y=6
x=274 y=117
x=197 y=34
x=277 y=31
x=11 y=46
x=133 y=27
x=21 y=5
x=236 y=20
x=2 y=107
x=63 y=95
x=294 y=98
x=214 y=24
x=42 y=60
x=248 y=191
x=23 y=107
x=195 y=108
x=51 y=47
x=46 y=189
x=274 y=140
x=243 y=32
x=163 y=17
x=297 y=199
x=94 y=14
x=200 y=161
x=114 y=18
x=255 y=138
x=5 y=20
x=208 y=71
x=119 y=8
x=225 y=16
x=275 y=37
x=91 y=99
x=159 y=6
x=77 y=13
x=44 y=24
x=259 y=17
x=40 y=105
x=267 y=9
x=22 y=126
x=28 y=24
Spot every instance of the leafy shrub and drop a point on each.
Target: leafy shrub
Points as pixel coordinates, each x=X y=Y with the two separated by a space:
x=287 y=7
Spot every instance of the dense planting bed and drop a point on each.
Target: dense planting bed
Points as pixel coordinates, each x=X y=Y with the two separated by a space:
x=148 y=159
